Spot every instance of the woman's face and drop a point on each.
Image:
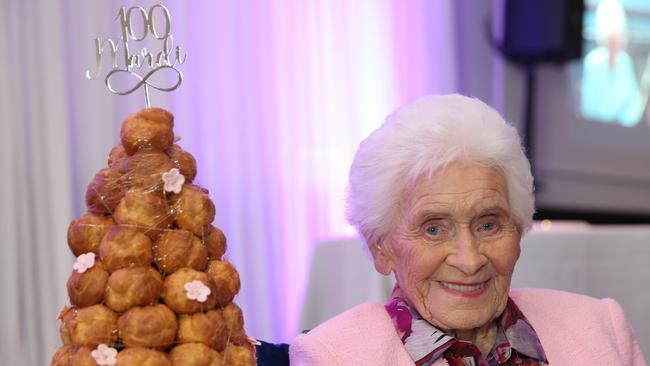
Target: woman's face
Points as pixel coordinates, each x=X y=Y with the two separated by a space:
x=454 y=246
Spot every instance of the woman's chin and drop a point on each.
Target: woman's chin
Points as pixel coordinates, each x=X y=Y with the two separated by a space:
x=456 y=321
x=463 y=309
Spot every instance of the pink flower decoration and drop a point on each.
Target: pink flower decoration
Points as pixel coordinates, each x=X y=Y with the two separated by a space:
x=105 y=355
x=174 y=181
x=196 y=290
x=84 y=262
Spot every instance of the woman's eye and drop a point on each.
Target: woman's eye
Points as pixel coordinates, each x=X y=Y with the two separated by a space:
x=433 y=230
x=488 y=226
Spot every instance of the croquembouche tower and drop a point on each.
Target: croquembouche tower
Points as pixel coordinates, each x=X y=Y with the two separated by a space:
x=150 y=285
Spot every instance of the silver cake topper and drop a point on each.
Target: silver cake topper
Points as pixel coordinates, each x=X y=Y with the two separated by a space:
x=135 y=62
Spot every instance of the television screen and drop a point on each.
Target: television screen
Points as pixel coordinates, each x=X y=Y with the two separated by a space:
x=592 y=122
x=615 y=76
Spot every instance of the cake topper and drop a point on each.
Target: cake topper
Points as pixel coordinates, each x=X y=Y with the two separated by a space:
x=135 y=63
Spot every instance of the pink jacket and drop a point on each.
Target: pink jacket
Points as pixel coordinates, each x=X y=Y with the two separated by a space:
x=574 y=330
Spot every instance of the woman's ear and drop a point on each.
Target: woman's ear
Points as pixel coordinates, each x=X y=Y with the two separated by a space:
x=382 y=256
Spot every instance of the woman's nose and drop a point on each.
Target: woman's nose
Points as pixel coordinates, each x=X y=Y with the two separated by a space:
x=466 y=255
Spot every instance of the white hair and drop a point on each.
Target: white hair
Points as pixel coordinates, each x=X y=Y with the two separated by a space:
x=611 y=21
x=422 y=137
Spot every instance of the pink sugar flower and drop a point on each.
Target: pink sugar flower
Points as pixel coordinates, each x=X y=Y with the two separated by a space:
x=84 y=262
x=105 y=355
x=174 y=181
x=196 y=290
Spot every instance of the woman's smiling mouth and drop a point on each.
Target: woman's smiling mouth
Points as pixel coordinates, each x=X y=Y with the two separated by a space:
x=465 y=289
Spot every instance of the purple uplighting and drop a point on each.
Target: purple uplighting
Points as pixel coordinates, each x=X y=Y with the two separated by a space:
x=276 y=99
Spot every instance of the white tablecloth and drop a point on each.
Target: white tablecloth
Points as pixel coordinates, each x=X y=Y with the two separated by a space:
x=599 y=261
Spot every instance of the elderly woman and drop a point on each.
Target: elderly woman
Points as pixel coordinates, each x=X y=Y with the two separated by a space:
x=442 y=194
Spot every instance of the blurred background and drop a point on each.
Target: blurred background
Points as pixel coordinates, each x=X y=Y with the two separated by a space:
x=275 y=99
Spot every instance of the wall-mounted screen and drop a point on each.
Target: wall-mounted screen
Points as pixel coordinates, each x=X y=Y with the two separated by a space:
x=615 y=75
x=592 y=121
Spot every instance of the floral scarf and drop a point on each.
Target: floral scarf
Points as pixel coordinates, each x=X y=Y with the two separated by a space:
x=516 y=340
